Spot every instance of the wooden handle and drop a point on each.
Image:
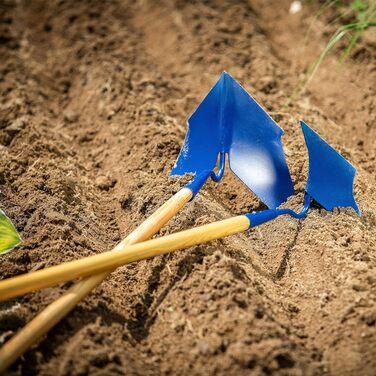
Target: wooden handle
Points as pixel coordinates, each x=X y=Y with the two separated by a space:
x=57 y=310
x=108 y=260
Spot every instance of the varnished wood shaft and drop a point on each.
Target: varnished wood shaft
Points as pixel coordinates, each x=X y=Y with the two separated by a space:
x=58 y=309
x=105 y=261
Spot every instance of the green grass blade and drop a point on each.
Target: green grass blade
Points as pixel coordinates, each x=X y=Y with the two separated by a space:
x=354 y=38
x=326 y=5
x=366 y=20
x=9 y=237
x=340 y=33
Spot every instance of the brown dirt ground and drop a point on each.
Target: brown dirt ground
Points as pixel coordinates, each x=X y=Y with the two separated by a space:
x=94 y=99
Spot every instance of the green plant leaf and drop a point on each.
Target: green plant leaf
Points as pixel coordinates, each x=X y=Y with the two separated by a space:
x=9 y=237
x=357 y=28
x=359 y=5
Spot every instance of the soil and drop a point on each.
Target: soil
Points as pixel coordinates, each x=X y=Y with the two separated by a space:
x=94 y=99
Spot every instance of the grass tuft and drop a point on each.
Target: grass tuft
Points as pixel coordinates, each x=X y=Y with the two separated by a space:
x=365 y=18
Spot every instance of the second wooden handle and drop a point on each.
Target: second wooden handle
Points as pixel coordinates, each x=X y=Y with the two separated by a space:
x=109 y=260
x=58 y=309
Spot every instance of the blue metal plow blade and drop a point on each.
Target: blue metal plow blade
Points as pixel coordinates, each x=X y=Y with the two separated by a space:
x=330 y=176
x=229 y=121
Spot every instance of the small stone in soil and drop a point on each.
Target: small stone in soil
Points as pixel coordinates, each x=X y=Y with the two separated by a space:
x=104 y=183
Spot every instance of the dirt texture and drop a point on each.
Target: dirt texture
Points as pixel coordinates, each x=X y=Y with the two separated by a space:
x=94 y=100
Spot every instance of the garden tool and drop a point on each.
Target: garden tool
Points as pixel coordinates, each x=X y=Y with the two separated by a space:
x=330 y=182
x=228 y=121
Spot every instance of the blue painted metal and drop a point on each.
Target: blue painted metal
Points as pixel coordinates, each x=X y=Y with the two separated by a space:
x=257 y=218
x=330 y=176
x=200 y=179
x=229 y=121
x=196 y=184
x=303 y=211
x=330 y=181
x=221 y=168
